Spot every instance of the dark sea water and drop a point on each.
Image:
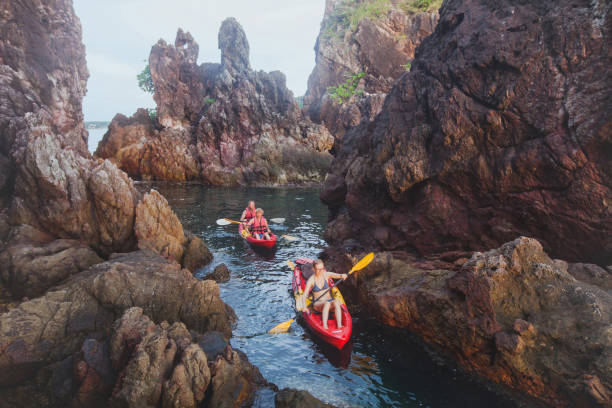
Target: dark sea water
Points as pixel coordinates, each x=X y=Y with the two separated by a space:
x=379 y=368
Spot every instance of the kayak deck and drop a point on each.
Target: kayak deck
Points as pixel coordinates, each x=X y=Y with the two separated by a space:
x=260 y=243
x=332 y=335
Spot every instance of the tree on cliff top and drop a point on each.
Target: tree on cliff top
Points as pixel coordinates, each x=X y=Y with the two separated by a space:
x=145 y=81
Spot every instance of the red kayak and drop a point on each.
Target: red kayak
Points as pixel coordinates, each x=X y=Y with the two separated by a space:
x=257 y=243
x=332 y=335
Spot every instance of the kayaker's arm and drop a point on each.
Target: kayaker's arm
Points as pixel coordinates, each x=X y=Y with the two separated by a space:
x=243 y=216
x=333 y=275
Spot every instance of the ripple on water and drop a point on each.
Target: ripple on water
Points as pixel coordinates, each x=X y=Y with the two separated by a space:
x=377 y=369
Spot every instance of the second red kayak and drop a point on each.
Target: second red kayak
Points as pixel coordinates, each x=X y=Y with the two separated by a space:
x=257 y=243
x=332 y=335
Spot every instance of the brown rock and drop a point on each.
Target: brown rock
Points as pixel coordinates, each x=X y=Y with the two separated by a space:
x=498 y=131
x=221 y=124
x=290 y=398
x=158 y=228
x=378 y=46
x=30 y=269
x=93 y=375
x=509 y=315
x=220 y=274
x=52 y=327
x=234 y=381
x=190 y=378
x=197 y=254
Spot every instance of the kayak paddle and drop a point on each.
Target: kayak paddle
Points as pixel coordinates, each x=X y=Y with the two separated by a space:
x=300 y=300
x=227 y=221
x=365 y=261
x=289 y=238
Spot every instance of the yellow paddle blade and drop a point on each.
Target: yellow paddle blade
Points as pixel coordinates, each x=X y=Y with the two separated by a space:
x=281 y=328
x=235 y=222
x=289 y=237
x=245 y=233
x=365 y=261
x=291 y=265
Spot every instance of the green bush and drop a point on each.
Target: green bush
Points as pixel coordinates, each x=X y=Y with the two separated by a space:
x=152 y=113
x=345 y=91
x=348 y=14
x=419 y=6
x=209 y=101
x=145 y=81
x=407 y=66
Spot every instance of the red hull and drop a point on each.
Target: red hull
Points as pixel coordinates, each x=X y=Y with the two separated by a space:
x=334 y=336
x=259 y=243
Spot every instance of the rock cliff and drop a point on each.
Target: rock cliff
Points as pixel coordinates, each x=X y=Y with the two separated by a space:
x=79 y=330
x=377 y=38
x=221 y=124
x=502 y=128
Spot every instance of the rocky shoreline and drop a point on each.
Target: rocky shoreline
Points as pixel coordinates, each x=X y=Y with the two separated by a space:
x=500 y=129
x=94 y=273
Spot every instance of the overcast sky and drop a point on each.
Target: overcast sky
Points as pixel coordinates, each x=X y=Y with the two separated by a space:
x=118 y=35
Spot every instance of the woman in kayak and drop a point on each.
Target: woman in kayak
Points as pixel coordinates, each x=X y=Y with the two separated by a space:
x=258 y=226
x=319 y=285
x=249 y=213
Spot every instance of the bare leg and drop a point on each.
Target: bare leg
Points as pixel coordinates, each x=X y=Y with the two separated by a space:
x=325 y=314
x=338 y=313
x=267 y=236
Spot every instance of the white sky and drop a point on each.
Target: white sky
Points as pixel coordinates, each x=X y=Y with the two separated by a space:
x=118 y=35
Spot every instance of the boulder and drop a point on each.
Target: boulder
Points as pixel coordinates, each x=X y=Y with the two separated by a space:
x=291 y=398
x=220 y=274
x=234 y=380
x=197 y=253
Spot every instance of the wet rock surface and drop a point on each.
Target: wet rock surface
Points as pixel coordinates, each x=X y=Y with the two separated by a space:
x=498 y=131
x=222 y=124
x=123 y=362
x=511 y=315
x=220 y=274
x=382 y=47
x=290 y=398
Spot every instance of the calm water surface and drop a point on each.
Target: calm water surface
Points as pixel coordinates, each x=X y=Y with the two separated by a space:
x=375 y=370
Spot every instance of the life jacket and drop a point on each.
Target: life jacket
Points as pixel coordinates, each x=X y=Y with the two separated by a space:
x=249 y=214
x=259 y=227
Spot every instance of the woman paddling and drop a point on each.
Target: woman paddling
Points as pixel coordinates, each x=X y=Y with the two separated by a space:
x=258 y=226
x=319 y=284
x=249 y=213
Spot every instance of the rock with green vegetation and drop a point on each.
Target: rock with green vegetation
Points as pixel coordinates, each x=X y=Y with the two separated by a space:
x=221 y=124
x=363 y=47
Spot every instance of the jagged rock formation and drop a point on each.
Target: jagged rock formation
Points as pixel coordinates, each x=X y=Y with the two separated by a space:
x=222 y=124
x=502 y=128
x=71 y=337
x=381 y=46
x=511 y=314
x=61 y=214
x=60 y=209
